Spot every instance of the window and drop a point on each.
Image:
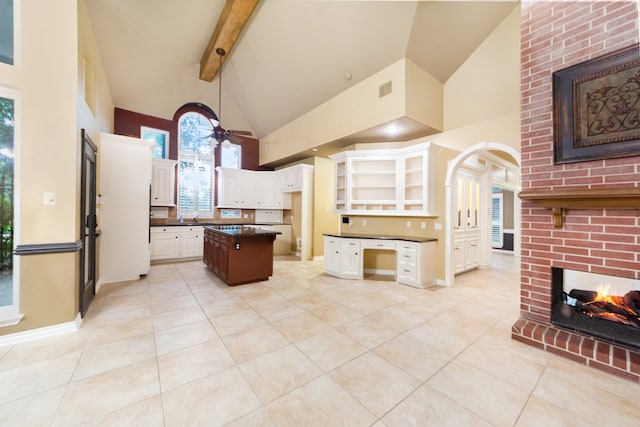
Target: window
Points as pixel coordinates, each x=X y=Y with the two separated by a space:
x=230 y=156
x=496 y=220
x=6 y=31
x=195 y=166
x=9 y=289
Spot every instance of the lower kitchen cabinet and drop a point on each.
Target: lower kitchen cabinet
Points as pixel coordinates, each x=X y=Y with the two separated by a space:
x=466 y=250
x=415 y=260
x=176 y=242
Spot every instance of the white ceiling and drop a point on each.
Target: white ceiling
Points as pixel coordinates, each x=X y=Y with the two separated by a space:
x=292 y=56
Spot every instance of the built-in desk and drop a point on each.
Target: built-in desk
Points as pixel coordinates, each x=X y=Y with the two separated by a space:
x=415 y=256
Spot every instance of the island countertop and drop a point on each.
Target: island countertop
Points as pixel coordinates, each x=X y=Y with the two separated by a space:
x=241 y=231
x=419 y=239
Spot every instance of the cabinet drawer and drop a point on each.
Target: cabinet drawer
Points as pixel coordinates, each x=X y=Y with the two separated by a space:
x=378 y=244
x=350 y=243
x=407 y=273
x=407 y=246
x=407 y=257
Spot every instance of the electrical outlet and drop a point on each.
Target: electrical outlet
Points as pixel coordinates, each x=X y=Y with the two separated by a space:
x=423 y=225
x=437 y=226
x=364 y=222
x=408 y=224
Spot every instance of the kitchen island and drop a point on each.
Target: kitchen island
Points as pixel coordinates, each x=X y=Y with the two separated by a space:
x=238 y=254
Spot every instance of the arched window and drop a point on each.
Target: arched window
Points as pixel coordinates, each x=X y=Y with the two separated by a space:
x=195 y=166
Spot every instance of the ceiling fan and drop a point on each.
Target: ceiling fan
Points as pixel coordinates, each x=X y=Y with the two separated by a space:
x=218 y=133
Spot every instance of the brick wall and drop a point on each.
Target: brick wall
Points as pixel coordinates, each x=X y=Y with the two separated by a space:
x=556 y=35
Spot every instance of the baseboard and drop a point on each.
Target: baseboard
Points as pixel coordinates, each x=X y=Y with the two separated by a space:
x=40 y=333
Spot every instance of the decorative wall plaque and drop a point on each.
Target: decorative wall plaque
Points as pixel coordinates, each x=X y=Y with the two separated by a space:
x=597 y=108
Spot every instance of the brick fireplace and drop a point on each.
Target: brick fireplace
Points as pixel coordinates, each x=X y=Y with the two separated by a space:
x=601 y=238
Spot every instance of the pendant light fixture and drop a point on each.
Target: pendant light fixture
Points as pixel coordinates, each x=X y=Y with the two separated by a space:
x=220 y=133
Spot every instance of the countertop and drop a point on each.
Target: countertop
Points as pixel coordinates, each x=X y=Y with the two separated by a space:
x=207 y=223
x=236 y=231
x=418 y=239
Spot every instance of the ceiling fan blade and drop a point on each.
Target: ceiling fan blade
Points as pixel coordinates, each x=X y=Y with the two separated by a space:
x=241 y=132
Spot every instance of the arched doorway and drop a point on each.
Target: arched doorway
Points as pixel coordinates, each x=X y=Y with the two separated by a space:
x=488 y=152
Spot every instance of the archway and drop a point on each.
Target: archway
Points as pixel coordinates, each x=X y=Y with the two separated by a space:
x=452 y=170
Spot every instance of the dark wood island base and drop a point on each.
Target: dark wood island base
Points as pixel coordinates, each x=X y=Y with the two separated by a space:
x=238 y=254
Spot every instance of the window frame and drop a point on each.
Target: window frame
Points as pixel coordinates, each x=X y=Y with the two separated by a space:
x=10 y=314
x=225 y=147
x=197 y=159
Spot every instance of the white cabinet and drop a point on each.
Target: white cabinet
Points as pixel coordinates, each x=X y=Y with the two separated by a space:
x=466 y=250
x=350 y=258
x=332 y=255
x=415 y=261
x=176 y=242
x=192 y=242
x=245 y=189
x=165 y=243
x=234 y=189
x=386 y=182
x=163 y=173
x=290 y=179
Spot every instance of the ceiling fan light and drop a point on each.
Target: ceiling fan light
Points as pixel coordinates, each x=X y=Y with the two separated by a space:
x=226 y=143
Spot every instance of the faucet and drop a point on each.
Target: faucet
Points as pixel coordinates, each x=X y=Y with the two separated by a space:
x=195 y=219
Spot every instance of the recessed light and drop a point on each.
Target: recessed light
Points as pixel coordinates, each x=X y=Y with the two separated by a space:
x=314 y=149
x=392 y=129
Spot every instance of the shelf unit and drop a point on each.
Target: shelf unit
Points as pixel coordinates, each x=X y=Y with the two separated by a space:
x=386 y=182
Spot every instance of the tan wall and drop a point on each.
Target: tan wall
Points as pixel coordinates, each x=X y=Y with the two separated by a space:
x=359 y=108
x=52 y=34
x=324 y=220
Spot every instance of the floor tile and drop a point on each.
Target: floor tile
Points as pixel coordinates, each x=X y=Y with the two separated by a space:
x=330 y=349
x=211 y=401
x=279 y=372
x=37 y=377
x=184 y=336
x=492 y=399
x=413 y=356
x=36 y=409
x=427 y=407
x=367 y=331
x=249 y=344
x=320 y=403
x=300 y=326
x=375 y=383
x=191 y=363
x=96 y=396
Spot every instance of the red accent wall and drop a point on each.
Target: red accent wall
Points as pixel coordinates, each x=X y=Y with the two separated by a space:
x=128 y=123
x=556 y=35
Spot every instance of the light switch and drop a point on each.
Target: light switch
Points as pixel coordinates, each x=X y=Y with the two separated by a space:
x=49 y=198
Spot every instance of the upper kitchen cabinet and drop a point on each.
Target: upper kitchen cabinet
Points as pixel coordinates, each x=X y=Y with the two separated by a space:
x=163 y=177
x=291 y=179
x=239 y=188
x=386 y=182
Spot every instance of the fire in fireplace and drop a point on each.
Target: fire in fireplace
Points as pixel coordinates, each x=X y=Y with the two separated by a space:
x=606 y=307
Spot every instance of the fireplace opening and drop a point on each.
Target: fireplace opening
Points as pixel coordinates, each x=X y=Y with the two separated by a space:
x=607 y=307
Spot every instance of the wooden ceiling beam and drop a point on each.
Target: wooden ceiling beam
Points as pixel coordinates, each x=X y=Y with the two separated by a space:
x=232 y=20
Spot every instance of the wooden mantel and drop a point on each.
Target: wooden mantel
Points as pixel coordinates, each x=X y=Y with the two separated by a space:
x=597 y=198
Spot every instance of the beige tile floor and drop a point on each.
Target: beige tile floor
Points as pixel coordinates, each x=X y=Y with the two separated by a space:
x=180 y=348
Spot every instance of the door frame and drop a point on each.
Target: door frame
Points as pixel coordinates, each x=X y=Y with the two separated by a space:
x=452 y=169
x=88 y=226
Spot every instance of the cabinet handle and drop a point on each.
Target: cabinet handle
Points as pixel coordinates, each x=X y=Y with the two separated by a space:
x=406 y=271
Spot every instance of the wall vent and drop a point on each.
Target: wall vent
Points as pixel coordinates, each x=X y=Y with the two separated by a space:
x=384 y=89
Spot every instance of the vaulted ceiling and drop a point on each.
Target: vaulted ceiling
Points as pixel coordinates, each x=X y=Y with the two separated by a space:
x=292 y=56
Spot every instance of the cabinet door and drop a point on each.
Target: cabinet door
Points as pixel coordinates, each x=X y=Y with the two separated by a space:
x=458 y=258
x=163 y=182
x=229 y=186
x=332 y=255
x=351 y=258
x=264 y=185
x=472 y=254
x=221 y=265
x=191 y=244
x=165 y=245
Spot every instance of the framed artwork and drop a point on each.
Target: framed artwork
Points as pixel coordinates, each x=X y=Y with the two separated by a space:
x=596 y=108
x=160 y=137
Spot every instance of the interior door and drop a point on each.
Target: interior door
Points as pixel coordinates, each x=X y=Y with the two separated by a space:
x=88 y=224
